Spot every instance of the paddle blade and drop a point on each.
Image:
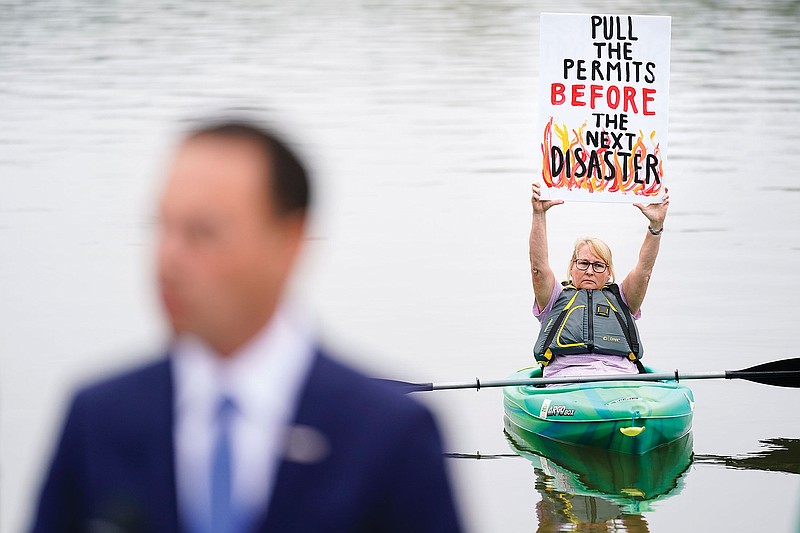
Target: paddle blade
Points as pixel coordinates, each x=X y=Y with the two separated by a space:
x=782 y=373
x=404 y=386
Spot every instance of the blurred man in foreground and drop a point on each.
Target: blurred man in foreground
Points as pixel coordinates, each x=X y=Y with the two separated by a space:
x=246 y=424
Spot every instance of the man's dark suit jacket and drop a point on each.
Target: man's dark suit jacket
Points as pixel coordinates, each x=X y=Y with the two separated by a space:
x=114 y=464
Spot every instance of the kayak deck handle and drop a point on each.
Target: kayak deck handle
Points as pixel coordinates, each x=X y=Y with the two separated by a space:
x=631 y=431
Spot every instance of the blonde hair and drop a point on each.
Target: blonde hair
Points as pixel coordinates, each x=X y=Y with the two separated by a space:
x=598 y=248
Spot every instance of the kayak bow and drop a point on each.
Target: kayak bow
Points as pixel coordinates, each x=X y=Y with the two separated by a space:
x=630 y=417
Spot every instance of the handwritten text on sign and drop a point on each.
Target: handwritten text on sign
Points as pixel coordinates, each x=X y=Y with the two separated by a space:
x=604 y=97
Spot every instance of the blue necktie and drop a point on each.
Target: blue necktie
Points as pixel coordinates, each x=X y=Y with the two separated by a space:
x=222 y=515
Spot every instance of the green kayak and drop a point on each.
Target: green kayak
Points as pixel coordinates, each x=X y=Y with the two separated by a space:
x=620 y=416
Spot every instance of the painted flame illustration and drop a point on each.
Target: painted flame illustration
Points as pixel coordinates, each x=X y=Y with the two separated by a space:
x=593 y=183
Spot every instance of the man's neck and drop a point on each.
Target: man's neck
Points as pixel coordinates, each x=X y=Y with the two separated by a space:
x=228 y=346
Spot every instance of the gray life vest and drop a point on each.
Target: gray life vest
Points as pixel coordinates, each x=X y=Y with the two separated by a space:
x=588 y=321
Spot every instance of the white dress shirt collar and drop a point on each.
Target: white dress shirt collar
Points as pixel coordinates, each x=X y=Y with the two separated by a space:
x=264 y=378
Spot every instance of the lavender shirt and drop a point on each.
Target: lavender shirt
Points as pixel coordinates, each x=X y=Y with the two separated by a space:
x=588 y=363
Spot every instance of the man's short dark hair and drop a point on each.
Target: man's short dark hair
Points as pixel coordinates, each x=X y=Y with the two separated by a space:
x=288 y=180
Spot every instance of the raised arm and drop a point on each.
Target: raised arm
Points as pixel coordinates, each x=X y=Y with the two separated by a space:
x=541 y=273
x=634 y=286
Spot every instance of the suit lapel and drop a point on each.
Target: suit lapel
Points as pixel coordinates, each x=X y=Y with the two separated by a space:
x=297 y=472
x=162 y=451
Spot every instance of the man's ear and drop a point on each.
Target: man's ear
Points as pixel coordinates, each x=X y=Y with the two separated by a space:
x=294 y=231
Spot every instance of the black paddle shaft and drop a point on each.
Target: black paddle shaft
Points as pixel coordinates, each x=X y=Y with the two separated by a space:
x=783 y=373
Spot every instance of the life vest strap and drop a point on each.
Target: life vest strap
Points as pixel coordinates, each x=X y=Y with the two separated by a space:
x=630 y=331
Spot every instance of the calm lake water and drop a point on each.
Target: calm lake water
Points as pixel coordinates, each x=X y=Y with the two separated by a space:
x=420 y=120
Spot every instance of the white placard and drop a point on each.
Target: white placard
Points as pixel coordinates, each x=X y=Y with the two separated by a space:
x=604 y=106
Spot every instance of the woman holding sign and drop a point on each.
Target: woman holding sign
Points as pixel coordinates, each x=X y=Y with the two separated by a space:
x=588 y=321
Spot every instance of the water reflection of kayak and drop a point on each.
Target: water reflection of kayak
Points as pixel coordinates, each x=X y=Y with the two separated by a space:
x=623 y=416
x=626 y=484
